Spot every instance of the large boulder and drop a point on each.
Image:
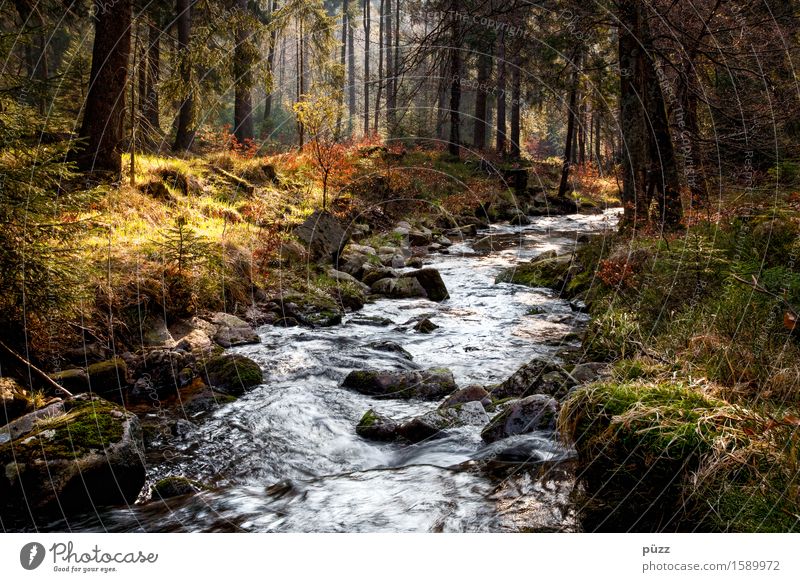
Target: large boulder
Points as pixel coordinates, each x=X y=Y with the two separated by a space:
x=425 y=283
x=323 y=235
x=87 y=454
x=424 y=384
x=232 y=331
x=534 y=413
x=431 y=281
x=539 y=376
x=401 y=288
x=155 y=332
x=232 y=374
x=175 y=486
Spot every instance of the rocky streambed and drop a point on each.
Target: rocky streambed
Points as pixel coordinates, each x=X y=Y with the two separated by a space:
x=415 y=413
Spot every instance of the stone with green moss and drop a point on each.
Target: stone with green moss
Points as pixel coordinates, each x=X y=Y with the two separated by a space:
x=88 y=453
x=376 y=427
x=232 y=374
x=548 y=272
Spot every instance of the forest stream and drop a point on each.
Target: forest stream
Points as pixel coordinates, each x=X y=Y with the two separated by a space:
x=286 y=457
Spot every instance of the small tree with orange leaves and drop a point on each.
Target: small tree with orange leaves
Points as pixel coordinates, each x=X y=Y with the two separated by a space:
x=317 y=113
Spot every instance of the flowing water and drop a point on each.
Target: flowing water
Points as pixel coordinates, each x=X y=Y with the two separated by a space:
x=286 y=457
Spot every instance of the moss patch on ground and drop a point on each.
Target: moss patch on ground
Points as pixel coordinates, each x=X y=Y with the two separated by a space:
x=664 y=456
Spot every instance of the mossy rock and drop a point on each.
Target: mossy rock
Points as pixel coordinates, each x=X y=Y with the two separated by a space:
x=376 y=427
x=232 y=374
x=548 y=272
x=88 y=454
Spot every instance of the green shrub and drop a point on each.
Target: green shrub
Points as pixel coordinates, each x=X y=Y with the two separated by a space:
x=40 y=278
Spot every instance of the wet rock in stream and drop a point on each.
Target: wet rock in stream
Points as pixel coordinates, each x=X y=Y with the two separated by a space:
x=429 y=384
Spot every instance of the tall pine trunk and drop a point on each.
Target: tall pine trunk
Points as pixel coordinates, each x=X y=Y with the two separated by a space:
x=151 y=105
x=501 y=96
x=479 y=128
x=104 y=113
x=381 y=77
x=342 y=60
x=367 y=29
x=569 y=148
x=516 y=93
x=243 y=61
x=454 y=144
x=390 y=72
x=351 y=75
x=270 y=88
x=185 y=133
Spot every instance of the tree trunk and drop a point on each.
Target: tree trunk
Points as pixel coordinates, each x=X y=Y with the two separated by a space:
x=104 y=113
x=141 y=71
x=632 y=119
x=390 y=72
x=569 y=150
x=151 y=114
x=516 y=93
x=454 y=144
x=663 y=163
x=396 y=67
x=367 y=28
x=484 y=71
x=185 y=133
x=582 y=134
x=441 y=110
x=597 y=151
x=243 y=60
x=380 y=65
x=501 y=96
x=342 y=60
x=270 y=88
x=690 y=134
x=301 y=71
x=663 y=166
x=351 y=75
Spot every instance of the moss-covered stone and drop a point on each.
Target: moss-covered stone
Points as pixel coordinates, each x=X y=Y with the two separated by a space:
x=548 y=272
x=376 y=427
x=232 y=374
x=88 y=454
